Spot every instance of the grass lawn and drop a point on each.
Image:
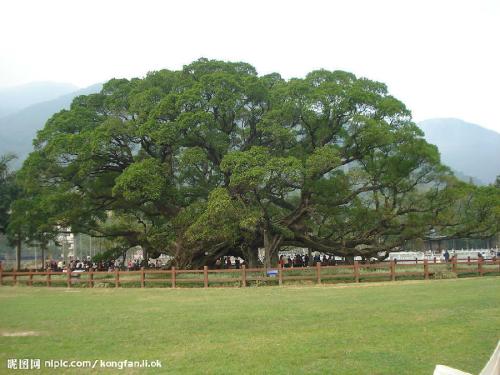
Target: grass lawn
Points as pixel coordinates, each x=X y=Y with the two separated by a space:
x=374 y=328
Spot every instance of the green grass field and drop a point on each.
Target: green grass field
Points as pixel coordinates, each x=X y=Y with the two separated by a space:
x=375 y=328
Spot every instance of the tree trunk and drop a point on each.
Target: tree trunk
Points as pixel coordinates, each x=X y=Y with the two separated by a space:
x=251 y=256
x=43 y=257
x=145 y=256
x=275 y=257
x=349 y=259
x=310 y=257
x=272 y=245
x=18 y=253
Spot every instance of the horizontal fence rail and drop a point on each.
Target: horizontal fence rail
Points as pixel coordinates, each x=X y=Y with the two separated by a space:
x=204 y=278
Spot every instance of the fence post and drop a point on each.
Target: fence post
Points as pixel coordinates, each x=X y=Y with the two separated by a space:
x=48 y=277
x=31 y=278
x=243 y=276
x=393 y=270
x=205 y=276
x=14 y=277
x=91 y=277
x=434 y=260
x=117 y=277
x=426 y=269
x=143 y=281
x=173 y=277
x=468 y=260
x=356 y=271
x=480 y=266
x=454 y=264
x=318 y=272
x=1 y=273
x=280 y=274
x=69 y=277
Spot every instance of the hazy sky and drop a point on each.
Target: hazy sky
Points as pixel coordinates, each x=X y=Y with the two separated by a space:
x=440 y=57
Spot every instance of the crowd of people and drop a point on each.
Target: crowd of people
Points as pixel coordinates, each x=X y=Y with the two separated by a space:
x=285 y=261
x=136 y=264
x=299 y=260
x=225 y=262
x=72 y=264
x=81 y=265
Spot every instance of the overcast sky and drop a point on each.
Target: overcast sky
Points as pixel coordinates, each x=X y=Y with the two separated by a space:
x=440 y=57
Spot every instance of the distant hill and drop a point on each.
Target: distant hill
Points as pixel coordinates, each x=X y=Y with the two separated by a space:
x=13 y=99
x=18 y=130
x=468 y=149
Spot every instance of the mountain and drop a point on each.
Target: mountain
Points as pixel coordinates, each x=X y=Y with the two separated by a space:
x=13 y=99
x=468 y=149
x=18 y=130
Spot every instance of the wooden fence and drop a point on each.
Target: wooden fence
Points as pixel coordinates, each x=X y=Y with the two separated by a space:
x=243 y=277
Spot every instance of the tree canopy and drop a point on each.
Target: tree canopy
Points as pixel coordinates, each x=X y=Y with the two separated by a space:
x=216 y=160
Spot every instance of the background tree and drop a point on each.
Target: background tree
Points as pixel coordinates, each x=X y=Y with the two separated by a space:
x=469 y=211
x=9 y=192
